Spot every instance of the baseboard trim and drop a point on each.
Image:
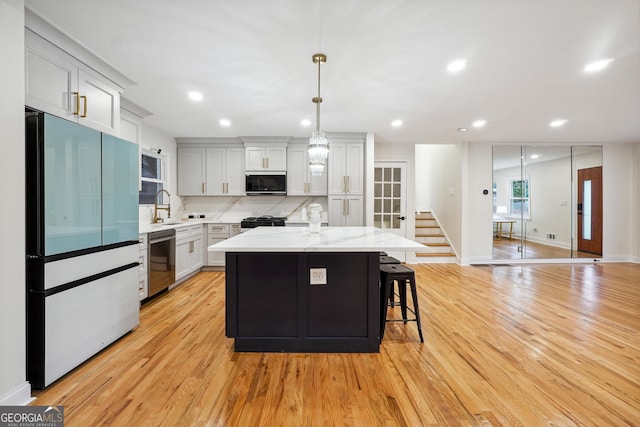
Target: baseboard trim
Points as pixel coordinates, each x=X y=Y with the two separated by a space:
x=19 y=396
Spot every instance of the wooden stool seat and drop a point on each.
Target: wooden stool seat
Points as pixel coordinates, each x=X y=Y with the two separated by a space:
x=390 y=273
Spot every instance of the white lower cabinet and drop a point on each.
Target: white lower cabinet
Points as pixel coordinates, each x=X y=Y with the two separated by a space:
x=217 y=233
x=346 y=211
x=143 y=285
x=188 y=250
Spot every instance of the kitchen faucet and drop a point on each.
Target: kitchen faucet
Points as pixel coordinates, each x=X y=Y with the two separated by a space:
x=166 y=207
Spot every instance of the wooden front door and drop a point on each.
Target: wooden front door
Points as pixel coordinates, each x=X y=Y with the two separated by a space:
x=589 y=212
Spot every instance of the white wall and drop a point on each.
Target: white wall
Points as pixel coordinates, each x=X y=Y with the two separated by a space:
x=635 y=226
x=14 y=389
x=477 y=207
x=618 y=188
x=423 y=178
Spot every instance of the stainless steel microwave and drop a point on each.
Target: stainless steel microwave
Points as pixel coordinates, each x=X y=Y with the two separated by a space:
x=266 y=183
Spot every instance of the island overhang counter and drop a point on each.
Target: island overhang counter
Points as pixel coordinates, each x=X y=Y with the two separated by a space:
x=290 y=290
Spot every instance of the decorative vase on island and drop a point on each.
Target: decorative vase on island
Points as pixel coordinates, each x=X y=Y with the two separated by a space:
x=314 y=210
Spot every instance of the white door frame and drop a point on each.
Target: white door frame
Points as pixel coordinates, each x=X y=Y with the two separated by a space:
x=402 y=231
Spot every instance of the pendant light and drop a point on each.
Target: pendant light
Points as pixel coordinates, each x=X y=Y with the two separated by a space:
x=318 y=143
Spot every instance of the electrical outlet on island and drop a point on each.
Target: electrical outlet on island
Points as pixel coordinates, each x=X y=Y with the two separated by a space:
x=318 y=276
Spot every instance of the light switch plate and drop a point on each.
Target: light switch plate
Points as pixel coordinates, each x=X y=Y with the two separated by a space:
x=318 y=276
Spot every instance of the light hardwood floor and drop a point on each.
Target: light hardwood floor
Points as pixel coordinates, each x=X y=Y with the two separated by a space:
x=531 y=345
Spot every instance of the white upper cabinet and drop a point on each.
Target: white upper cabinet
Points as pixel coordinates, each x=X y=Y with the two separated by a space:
x=225 y=171
x=59 y=84
x=265 y=153
x=51 y=78
x=267 y=158
x=300 y=182
x=346 y=168
x=191 y=172
x=99 y=105
x=211 y=171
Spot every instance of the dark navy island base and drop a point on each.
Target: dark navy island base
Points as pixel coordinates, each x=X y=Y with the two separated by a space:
x=272 y=307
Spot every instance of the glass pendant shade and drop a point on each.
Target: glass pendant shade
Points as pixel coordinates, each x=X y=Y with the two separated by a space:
x=318 y=152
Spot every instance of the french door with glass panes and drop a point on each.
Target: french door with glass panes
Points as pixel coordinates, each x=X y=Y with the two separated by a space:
x=390 y=196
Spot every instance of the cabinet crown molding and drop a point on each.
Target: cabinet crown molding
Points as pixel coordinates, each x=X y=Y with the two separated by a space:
x=207 y=141
x=133 y=108
x=45 y=29
x=263 y=141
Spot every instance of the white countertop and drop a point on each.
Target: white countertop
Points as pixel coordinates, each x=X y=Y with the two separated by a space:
x=330 y=239
x=149 y=228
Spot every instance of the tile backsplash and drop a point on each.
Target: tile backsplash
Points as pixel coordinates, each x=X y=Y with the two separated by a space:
x=233 y=209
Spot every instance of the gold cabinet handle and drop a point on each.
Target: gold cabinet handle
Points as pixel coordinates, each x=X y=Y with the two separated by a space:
x=84 y=111
x=77 y=110
x=203 y=188
x=348 y=210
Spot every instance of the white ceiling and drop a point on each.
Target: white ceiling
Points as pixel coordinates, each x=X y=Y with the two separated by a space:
x=251 y=59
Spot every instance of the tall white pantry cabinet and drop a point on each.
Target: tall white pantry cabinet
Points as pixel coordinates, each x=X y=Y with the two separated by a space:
x=346 y=184
x=300 y=181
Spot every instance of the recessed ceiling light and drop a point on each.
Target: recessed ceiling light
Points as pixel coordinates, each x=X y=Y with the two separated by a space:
x=305 y=122
x=462 y=129
x=457 y=65
x=224 y=122
x=534 y=156
x=479 y=123
x=195 y=96
x=557 y=123
x=597 y=65
x=396 y=123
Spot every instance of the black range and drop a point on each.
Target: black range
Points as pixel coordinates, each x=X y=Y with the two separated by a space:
x=263 y=221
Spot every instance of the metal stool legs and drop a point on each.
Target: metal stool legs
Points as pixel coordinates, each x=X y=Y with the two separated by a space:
x=400 y=274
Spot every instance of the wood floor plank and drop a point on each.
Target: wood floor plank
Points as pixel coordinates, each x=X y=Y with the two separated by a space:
x=525 y=345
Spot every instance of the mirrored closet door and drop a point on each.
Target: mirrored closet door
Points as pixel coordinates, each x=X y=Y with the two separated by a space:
x=547 y=201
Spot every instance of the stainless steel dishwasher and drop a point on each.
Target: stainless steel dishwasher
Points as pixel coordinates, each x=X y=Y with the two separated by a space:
x=162 y=257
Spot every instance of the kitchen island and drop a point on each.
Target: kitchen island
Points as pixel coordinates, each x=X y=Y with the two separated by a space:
x=294 y=291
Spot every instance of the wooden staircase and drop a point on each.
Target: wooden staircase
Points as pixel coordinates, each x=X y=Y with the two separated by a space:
x=429 y=233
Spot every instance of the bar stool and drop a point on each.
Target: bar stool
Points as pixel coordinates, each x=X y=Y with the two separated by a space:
x=385 y=259
x=390 y=273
